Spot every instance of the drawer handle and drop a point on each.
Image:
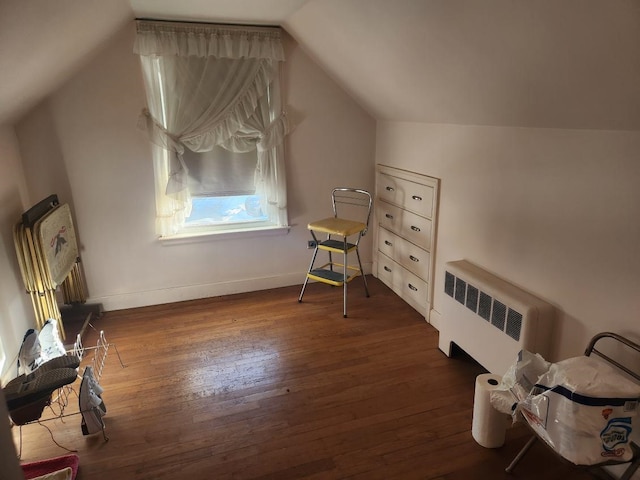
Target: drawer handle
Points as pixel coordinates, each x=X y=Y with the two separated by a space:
x=387 y=268
x=411 y=257
x=387 y=242
x=389 y=216
x=412 y=287
x=414 y=228
x=390 y=189
x=416 y=197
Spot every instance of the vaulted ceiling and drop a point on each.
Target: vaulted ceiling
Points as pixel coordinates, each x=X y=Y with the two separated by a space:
x=542 y=63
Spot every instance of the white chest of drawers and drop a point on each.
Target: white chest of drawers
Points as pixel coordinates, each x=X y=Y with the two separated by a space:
x=406 y=208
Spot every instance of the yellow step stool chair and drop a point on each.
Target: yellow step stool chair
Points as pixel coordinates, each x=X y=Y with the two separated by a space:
x=348 y=203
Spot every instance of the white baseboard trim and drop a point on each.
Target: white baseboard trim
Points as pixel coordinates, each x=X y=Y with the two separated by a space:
x=194 y=292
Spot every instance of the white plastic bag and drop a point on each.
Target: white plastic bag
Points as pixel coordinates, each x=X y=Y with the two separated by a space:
x=518 y=381
x=584 y=409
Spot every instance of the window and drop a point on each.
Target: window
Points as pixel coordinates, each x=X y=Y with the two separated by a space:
x=217 y=126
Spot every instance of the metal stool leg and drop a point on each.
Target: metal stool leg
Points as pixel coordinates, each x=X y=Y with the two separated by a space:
x=306 y=278
x=364 y=278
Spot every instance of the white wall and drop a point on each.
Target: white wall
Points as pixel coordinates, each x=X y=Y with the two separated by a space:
x=553 y=211
x=43 y=41
x=88 y=130
x=16 y=314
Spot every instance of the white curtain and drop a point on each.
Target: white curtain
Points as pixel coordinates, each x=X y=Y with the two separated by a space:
x=207 y=85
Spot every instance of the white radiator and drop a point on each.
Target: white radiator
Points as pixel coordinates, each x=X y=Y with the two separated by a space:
x=492 y=319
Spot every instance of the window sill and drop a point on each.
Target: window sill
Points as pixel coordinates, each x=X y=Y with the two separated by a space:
x=212 y=235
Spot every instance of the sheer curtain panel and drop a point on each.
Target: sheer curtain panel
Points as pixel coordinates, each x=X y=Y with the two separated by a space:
x=206 y=86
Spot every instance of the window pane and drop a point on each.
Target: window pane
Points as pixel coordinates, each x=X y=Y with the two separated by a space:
x=225 y=210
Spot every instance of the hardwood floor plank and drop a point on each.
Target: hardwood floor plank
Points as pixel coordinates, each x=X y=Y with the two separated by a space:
x=259 y=386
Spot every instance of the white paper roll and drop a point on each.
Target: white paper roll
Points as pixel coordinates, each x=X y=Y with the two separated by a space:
x=489 y=426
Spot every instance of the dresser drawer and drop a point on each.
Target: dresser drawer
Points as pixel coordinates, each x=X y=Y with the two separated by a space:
x=410 y=256
x=412 y=196
x=408 y=286
x=408 y=225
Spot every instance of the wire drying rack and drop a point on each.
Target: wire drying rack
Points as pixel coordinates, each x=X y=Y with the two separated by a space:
x=61 y=399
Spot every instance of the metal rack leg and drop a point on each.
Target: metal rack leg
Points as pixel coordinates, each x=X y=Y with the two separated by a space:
x=20 y=442
x=521 y=454
x=631 y=469
x=104 y=430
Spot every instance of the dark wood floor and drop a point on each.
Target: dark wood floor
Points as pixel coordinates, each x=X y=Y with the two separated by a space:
x=258 y=386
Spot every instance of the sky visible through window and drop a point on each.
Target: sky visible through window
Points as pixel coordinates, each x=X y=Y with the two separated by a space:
x=228 y=209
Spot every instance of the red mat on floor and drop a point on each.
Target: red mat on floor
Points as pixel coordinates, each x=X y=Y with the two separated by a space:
x=35 y=469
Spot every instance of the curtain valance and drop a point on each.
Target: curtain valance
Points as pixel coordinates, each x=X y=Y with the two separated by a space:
x=207 y=40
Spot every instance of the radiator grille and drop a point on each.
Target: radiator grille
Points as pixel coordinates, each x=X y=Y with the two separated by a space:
x=472 y=298
x=514 y=324
x=449 y=284
x=498 y=314
x=461 y=290
x=484 y=306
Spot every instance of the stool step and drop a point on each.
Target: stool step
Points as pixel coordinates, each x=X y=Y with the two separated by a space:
x=335 y=246
x=332 y=277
